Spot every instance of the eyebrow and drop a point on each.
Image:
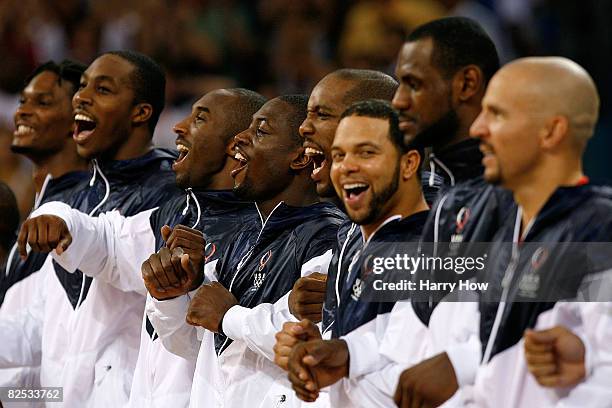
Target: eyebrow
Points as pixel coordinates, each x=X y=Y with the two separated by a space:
x=202 y=109
x=23 y=93
x=367 y=144
x=323 y=107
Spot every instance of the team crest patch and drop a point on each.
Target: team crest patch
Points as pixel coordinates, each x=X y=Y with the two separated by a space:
x=258 y=279
x=530 y=282
x=357 y=289
x=259 y=276
x=463 y=216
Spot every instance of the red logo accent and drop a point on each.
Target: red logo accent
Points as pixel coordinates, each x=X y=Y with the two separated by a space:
x=539 y=257
x=264 y=259
x=209 y=251
x=462 y=218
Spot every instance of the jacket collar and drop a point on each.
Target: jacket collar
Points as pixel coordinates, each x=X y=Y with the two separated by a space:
x=458 y=162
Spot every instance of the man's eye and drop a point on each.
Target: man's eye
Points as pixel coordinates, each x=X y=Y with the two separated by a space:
x=367 y=153
x=103 y=89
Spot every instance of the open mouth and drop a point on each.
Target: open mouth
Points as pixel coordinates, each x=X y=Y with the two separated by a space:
x=241 y=165
x=318 y=158
x=84 y=126
x=353 y=193
x=23 y=130
x=183 y=152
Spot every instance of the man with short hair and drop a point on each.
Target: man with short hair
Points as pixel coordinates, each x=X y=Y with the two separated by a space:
x=44 y=125
x=84 y=330
x=387 y=209
x=241 y=311
x=112 y=247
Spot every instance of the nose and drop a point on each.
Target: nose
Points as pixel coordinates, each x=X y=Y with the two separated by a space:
x=81 y=97
x=348 y=165
x=306 y=128
x=243 y=138
x=23 y=110
x=401 y=99
x=479 y=129
x=181 y=127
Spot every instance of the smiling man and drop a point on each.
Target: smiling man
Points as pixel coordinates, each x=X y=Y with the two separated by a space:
x=242 y=310
x=377 y=178
x=119 y=100
x=112 y=248
x=43 y=133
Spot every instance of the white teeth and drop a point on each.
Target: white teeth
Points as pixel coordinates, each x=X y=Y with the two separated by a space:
x=83 y=118
x=240 y=157
x=21 y=129
x=354 y=185
x=182 y=148
x=311 y=151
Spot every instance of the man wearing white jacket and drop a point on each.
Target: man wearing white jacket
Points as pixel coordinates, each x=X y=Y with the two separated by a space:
x=84 y=331
x=239 y=312
x=112 y=247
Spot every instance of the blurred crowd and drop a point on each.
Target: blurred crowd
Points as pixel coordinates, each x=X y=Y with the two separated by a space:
x=277 y=46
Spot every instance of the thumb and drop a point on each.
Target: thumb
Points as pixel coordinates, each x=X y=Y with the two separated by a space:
x=543 y=336
x=187 y=265
x=318 y=276
x=165 y=232
x=63 y=244
x=316 y=353
x=309 y=330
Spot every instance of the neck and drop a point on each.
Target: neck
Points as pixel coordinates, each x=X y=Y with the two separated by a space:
x=300 y=193
x=408 y=203
x=223 y=179
x=467 y=116
x=534 y=189
x=137 y=144
x=57 y=164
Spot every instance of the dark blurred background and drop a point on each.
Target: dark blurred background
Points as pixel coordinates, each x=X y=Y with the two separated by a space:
x=281 y=46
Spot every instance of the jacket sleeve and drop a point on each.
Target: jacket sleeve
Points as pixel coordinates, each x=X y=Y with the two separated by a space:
x=109 y=247
x=168 y=320
x=258 y=326
x=22 y=332
x=596 y=330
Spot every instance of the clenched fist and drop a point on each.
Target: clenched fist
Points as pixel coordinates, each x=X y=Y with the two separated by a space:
x=176 y=268
x=44 y=234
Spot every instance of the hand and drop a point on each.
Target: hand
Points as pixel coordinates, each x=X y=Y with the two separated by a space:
x=555 y=357
x=429 y=383
x=307 y=296
x=175 y=270
x=316 y=364
x=44 y=234
x=292 y=334
x=209 y=305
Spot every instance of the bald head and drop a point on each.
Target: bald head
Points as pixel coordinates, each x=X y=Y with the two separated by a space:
x=556 y=86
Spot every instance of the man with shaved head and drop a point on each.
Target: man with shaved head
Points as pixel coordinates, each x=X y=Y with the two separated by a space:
x=538 y=114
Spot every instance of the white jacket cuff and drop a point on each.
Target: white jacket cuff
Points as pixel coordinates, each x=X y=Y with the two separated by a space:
x=234 y=322
x=465 y=358
x=363 y=353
